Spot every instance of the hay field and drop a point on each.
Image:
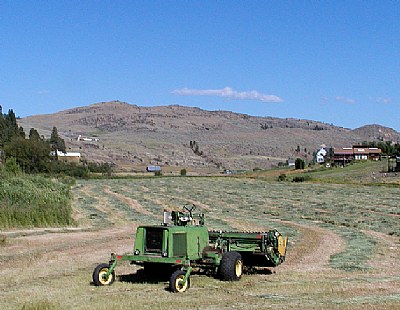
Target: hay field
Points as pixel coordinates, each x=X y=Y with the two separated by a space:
x=343 y=253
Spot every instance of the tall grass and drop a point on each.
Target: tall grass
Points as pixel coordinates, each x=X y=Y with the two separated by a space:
x=33 y=201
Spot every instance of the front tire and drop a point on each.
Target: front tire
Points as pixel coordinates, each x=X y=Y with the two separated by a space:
x=175 y=282
x=99 y=275
x=231 y=268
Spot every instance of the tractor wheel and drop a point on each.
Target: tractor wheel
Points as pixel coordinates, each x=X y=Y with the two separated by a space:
x=99 y=275
x=175 y=282
x=231 y=268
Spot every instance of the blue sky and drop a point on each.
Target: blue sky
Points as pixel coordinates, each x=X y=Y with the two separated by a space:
x=331 y=61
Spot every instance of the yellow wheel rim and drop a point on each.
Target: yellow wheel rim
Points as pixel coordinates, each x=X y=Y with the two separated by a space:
x=239 y=268
x=179 y=287
x=102 y=277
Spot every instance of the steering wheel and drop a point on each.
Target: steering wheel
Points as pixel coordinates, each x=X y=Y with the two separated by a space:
x=189 y=208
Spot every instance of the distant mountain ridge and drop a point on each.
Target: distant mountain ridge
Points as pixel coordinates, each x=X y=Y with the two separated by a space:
x=132 y=136
x=378 y=132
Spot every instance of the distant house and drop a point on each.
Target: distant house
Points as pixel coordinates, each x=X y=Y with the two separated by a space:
x=364 y=153
x=373 y=153
x=345 y=155
x=86 y=139
x=153 y=168
x=320 y=157
x=68 y=156
x=291 y=162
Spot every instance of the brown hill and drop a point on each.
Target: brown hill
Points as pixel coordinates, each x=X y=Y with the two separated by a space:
x=178 y=137
x=378 y=132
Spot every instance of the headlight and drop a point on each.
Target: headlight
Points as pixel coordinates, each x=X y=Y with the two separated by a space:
x=137 y=252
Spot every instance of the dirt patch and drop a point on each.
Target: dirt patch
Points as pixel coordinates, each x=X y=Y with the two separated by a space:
x=386 y=258
x=313 y=250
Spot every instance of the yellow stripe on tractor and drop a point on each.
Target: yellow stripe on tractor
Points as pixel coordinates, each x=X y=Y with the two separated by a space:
x=282 y=243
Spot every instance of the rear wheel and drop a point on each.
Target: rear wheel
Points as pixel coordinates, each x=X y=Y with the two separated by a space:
x=231 y=268
x=100 y=275
x=175 y=282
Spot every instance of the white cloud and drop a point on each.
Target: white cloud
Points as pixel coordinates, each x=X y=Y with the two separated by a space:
x=324 y=100
x=383 y=100
x=43 y=92
x=345 y=100
x=228 y=92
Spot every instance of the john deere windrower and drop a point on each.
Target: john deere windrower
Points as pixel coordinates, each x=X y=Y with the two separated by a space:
x=182 y=242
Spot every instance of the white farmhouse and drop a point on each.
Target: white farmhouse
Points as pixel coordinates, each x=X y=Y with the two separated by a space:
x=68 y=156
x=321 y=155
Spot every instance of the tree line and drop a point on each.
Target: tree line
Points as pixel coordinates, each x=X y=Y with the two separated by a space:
x=32 y=153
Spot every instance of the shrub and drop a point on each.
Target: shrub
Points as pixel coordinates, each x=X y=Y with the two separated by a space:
x=3 y=240
x=302 y=178
x=299 y=163
x=282 y=177
x=11 y=166
x=68 y=169
x=103 y=168
x=183 y=172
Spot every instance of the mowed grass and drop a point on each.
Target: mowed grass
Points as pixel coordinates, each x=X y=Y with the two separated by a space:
x=279 y=291
x=337 y=206
x=362 y=275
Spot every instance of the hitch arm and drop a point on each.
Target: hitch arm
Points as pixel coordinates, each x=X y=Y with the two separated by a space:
x=185 y=278
x=113 y=264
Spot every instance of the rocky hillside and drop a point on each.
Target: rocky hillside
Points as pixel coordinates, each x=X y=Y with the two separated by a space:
x=378 y=132
x=178 y=137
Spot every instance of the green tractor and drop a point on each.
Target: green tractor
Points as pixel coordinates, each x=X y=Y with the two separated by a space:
x=182 y=242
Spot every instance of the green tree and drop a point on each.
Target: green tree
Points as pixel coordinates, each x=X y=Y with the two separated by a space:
x=17 y=147
x=56 y=143
x=8 y=127
x=34 y=135
x=38 y=152
x=32 y=154
x=2 y=128
x=299 y=163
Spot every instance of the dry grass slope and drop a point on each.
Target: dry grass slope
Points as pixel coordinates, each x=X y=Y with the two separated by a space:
x=133 y=137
